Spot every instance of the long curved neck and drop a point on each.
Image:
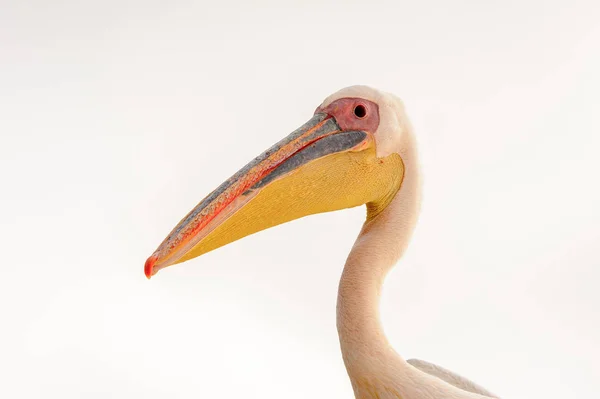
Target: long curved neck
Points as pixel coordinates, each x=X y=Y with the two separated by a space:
x=381 y=242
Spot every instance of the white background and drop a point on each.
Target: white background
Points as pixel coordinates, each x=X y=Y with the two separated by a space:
x=117 y=117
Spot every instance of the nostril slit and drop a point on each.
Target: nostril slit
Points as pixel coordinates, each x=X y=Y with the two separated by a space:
x=360 y=111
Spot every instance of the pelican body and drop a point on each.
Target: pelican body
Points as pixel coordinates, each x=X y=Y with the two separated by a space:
x=357 y=149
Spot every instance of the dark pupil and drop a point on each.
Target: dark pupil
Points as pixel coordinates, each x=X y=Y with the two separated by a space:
x=360 y=111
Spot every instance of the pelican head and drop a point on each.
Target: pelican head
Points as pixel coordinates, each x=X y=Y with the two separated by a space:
x=348 y=154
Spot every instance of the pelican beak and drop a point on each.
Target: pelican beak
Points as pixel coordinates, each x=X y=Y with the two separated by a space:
x=317 y=168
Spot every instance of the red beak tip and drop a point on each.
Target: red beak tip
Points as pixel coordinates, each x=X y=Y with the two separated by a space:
x=149 y=266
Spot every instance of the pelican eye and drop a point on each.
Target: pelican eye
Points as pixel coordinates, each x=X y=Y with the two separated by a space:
x=360 y=111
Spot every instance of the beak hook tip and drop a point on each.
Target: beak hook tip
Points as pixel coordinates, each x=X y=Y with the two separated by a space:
x=149 y=266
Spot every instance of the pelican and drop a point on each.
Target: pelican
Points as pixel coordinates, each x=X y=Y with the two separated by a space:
x=358 y=148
